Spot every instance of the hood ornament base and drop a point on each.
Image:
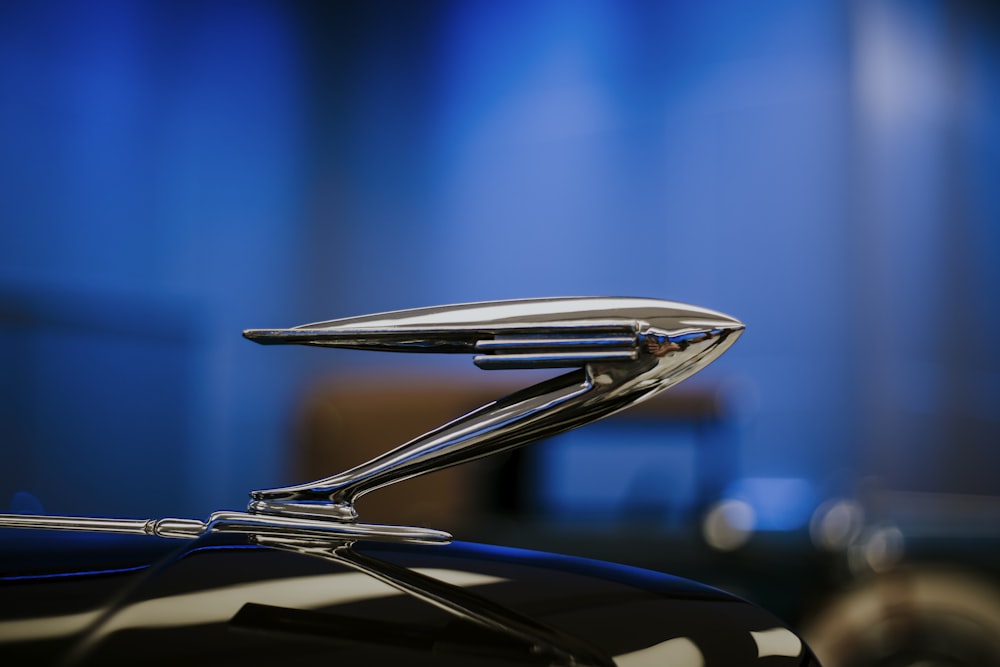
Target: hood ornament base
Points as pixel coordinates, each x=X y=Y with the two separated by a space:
x=621 y=350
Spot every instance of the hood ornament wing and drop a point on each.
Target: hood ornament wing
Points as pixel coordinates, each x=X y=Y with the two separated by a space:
x=621 y=350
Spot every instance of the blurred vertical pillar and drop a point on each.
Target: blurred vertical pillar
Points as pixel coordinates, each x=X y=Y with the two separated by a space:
x=927 y=242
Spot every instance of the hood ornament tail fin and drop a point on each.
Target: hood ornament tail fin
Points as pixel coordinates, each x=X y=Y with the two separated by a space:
x=624 y=350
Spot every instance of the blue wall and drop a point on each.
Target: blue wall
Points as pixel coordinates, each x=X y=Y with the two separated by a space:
x=151 y=156
x=171 y=173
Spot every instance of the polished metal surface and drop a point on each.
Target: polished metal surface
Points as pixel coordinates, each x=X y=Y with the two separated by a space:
x=542 y=641
x=74 y=600
x=625 y=350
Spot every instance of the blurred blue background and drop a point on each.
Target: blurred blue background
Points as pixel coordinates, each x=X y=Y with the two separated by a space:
x=174 y=172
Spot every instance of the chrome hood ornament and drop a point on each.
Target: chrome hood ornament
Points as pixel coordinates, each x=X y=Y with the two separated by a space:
x=622 y=350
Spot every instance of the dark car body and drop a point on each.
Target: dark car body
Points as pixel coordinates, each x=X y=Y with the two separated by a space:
x=96 y=599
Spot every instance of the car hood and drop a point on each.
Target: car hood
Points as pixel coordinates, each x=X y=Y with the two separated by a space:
x=81 y=599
